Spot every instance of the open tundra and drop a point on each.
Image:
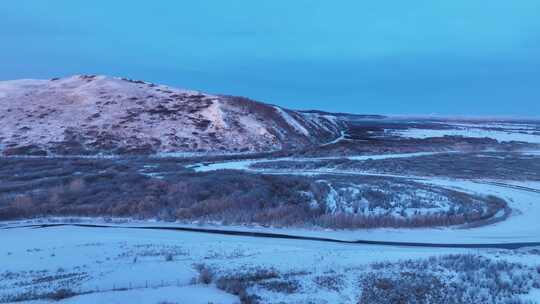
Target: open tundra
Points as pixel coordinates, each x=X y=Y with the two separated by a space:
x=126 y=191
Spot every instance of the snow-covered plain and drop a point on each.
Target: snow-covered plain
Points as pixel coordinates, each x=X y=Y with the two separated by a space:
x=508 y=134
x=193 y=294
x=106 y=259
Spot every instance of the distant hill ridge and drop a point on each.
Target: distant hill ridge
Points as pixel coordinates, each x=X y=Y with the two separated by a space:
x=89 y=114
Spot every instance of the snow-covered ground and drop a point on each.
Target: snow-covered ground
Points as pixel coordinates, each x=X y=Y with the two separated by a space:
x=501 y=135
x=531 y=153
x=291 y=121
x=193 y=294
x=100 y=260
x=393 y=155
x=342 y=136
x=245 y=164
x=512 y=126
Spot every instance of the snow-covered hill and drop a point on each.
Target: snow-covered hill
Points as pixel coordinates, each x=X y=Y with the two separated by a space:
x=97 y=114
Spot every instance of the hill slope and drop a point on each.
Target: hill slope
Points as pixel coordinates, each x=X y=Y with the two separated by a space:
x=99 y=114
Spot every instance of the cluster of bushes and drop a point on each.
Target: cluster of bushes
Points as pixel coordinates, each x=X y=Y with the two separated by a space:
x=123 y=188
x=452 y=279
x=347 y=221
x=367 y=202
x=55 y=295
x=239 y=283
x=226 y=196
x=164 y=189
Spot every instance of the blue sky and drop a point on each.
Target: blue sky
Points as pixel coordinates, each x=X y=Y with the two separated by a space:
x=458 y=57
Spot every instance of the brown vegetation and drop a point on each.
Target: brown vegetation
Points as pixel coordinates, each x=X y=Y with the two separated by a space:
x=163 y=189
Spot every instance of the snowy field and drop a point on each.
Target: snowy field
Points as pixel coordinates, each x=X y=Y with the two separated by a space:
x=139 y=266
x=502 y=132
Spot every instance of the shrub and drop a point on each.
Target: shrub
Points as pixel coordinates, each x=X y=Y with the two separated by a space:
x=61 y=294
x=329 y=282
x=76 y=185
x=206 y=275
x=288 y=286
